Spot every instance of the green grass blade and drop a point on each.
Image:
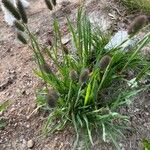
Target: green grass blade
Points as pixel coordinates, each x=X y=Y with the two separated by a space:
x=79 y=120
x=4 y=105
x=48 y=122
x=72 y=30
x=143 y=72
x=115 y=143
x=76 y=129
x=104 y=132
x=88 y=129
x=88 y=92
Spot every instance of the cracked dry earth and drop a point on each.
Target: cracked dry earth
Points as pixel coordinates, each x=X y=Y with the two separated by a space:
x=18 y=83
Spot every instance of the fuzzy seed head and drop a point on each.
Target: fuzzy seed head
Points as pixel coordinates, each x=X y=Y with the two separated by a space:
x=46 y=68
x=84 y=75
x=48 y=4
x=54 y=2
x=73 y=75
x=21 y=38
x=19 y=26
x=22 y=11
x=104 y=62
x=51 y=98
x=49 y=42
x=138 y=23
x=65 y=49
x=8 y=5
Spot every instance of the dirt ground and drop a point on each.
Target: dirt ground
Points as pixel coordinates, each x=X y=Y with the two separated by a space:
x=18 y=83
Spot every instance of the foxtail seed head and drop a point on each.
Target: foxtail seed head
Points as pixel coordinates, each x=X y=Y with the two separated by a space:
x=51 y=98
x=49 y=42
x=46 y=68
x=48 y=4
x=104 y=62
x=137 y=24
x=84 y=75
x=73 y=75
x=8 y=5
x=65 y=49
x=19 y=26
x=54 y=2
x=21 y=38
x=22 y=11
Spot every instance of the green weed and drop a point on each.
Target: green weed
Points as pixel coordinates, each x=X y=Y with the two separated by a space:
x=89 y=84
x=146 y=144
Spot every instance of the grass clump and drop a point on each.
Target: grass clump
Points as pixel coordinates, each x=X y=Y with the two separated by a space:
x=90 y=84
x=143 y=5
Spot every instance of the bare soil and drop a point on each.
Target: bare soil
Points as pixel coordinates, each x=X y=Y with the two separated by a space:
x=18 y=83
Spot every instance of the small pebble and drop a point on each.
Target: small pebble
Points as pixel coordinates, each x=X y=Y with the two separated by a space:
x=30 y=144
x=28 y=125
x=12 y=109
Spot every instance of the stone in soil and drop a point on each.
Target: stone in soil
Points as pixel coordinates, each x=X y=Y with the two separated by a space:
x=30 y=144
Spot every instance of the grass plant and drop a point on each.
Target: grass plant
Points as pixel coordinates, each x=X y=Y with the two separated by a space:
x=90 y=83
